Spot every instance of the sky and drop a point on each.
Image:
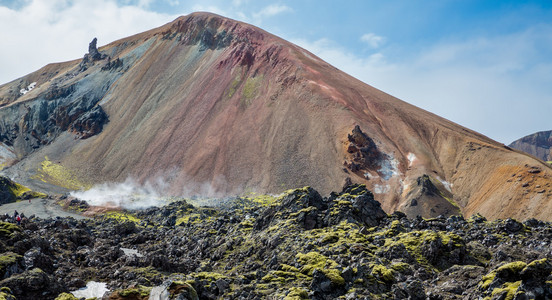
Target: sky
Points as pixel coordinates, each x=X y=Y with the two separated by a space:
x=486 y=65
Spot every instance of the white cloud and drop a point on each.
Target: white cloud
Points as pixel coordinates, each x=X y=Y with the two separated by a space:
x=42 y=32
x=270 y=11
x=372 y=39
x=210 y=8
x=499 y=85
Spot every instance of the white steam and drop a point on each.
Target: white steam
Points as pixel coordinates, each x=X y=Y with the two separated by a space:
x=131 y=194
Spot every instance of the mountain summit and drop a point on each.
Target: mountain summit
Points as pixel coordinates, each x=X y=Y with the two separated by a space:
x=211 y=104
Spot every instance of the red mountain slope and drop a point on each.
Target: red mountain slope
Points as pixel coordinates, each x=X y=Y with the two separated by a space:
x=206 y=101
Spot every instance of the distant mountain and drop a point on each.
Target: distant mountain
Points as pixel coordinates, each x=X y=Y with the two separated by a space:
x=207 y=104
x=537 y=144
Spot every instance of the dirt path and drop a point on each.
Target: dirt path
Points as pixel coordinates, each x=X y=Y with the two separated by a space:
x=42 y=208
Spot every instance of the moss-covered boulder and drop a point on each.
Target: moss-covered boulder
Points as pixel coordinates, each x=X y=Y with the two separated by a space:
x=10 y=191
x=66 y=296
x=514 y=279
x=7 y=230
x=10 y=263
x=32 y=284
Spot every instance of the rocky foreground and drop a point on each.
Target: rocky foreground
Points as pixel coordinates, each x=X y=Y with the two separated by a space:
x=295 y=246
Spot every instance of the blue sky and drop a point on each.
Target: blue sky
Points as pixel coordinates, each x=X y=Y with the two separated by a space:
x=486 y=65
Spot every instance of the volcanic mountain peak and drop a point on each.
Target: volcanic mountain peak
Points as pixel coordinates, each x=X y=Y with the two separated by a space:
x=209 y=104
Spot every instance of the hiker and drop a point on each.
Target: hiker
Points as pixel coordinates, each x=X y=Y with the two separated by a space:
x=18 y=219
x=15 y=213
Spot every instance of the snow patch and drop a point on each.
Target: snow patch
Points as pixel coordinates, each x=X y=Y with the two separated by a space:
x=93 y=289
x=28 y=89
x=446 y=184
x=389 y=168
x=370 y=176
x=6 y=152
x=411 y=158
x=132 y=252
x=159 y=293
x=381 y=188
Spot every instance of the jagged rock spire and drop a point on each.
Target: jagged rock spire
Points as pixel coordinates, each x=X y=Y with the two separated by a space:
x=93 y=52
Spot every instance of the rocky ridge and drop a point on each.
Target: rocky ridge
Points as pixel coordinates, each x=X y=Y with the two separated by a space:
x=537 y=144
x=298 y=245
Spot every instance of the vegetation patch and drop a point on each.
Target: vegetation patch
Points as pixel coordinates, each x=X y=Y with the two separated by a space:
x=57 y=174
x=297 y=294
x=314 y=260
x=8 y=229
x=8 y=259
x=383 y=273
x=507 y=291
x=139 y=292
x=121 y=216
x=250 y=90
x=65 y=296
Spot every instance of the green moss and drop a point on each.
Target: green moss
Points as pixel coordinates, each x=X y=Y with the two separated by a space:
x=261 y=199
x=330 y=238
x=297 y=294
x=288 y=268
x=400 y=267
x=247 y=223
x=57 y=174
x=6 y=294
x=383 y=273
x=510 y=269
x=395 y=228
x=138 y=291
x=211 y=276
x=8 y=259
x=121 y=216
x=509 y=287
x=233 y=85
x=335 y=276
x=412 y=241
x=314 y=260
x=487 y=280
x=344 y=202
x=8 y=229
x=18 y=190
x=535 y=264
x=193 y=218
x=304 y=210
x=359 y=190
x=66 y=296
x=250 y=89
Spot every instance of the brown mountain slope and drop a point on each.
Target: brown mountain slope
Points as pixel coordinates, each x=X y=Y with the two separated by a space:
x=537 y=144
x=211 y=104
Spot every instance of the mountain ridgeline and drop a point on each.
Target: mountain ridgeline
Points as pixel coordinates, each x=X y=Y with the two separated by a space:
x=210 y=101
x=537 y=144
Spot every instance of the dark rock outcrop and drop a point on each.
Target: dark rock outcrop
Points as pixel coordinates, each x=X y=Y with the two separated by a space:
x=89 y=123
x=298 y=244
x=363 y=152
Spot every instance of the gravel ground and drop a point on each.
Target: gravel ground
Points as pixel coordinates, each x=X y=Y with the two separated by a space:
x=42 y=208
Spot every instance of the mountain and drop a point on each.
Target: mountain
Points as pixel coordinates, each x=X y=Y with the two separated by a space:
x=210 y=105
x=537 y=144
